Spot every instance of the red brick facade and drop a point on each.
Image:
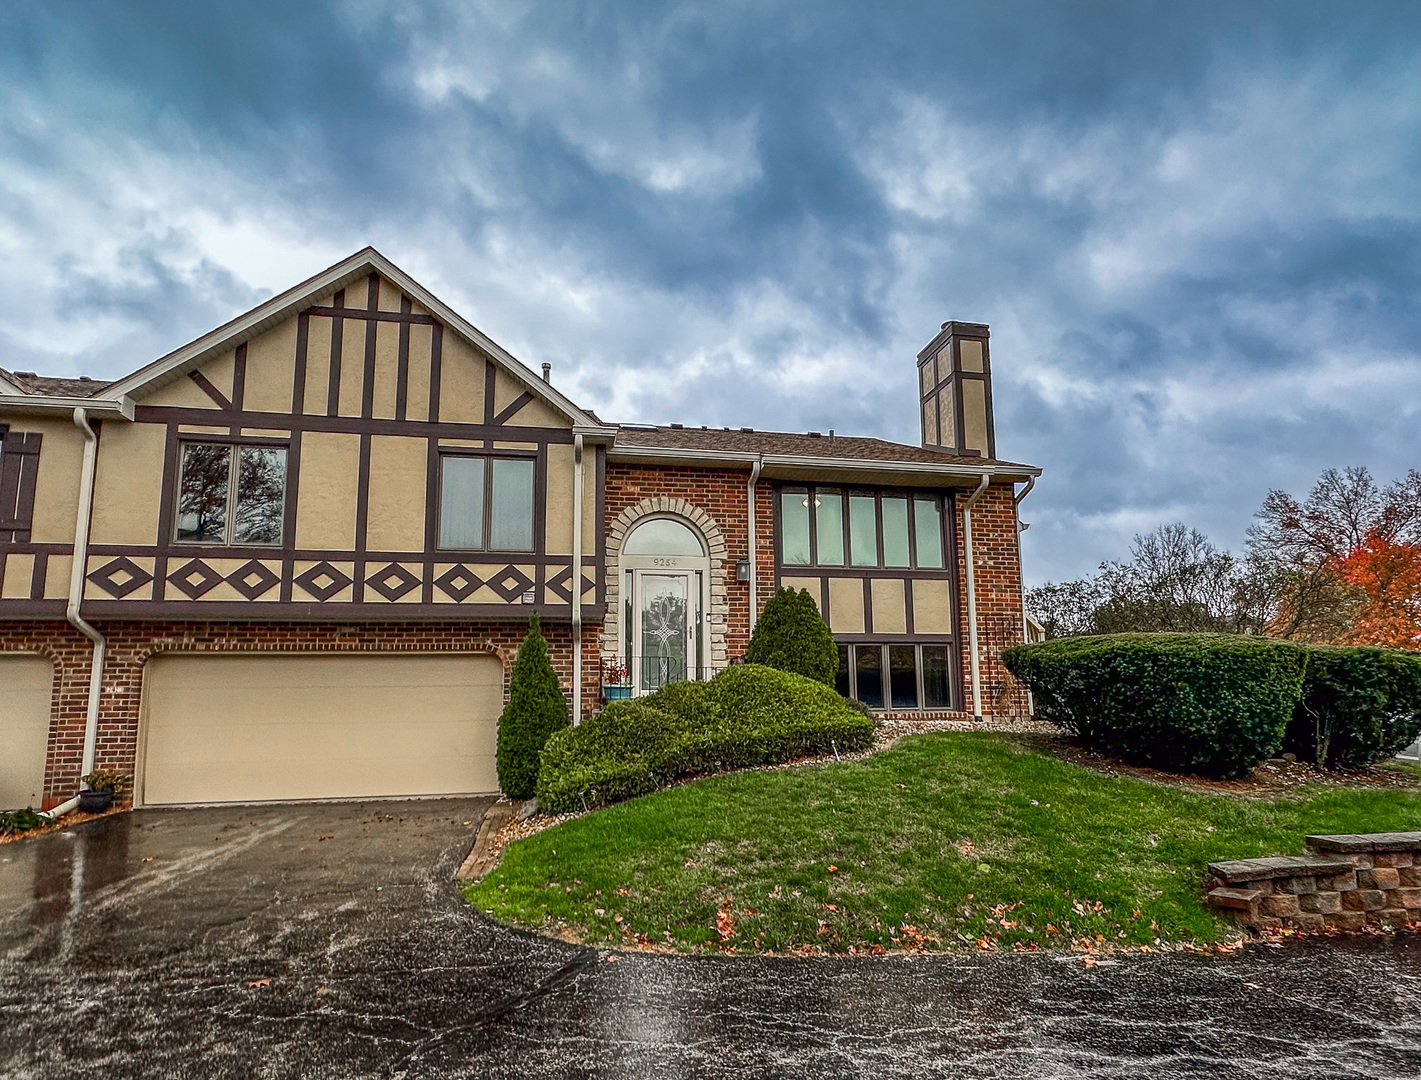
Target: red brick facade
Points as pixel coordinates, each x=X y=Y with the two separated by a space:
x=720 y=493
x=130 y=644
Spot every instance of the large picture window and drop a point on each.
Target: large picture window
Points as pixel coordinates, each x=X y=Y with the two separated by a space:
x=899 y=676
x=485 y=503
x=829 y=527
x=231 y=494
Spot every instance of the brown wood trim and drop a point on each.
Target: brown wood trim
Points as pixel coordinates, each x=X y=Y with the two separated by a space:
x=41 y=573
x=908 y=605
x=513 y=407
x=162 y=414
x=362 y=512
x=239 y=377
x=19 y=472
x=288 y=518
x=402 y=365
x=337 y=341
x=431 y=515
x=868 y=605
x=276 y=552
x=298 y=383
x=167 y=509
x=490 y=386
x=959 y=692
x=334 y=611
x=991 y=418
x=372 y=316
x=869 y=638
x=205 y=384
x=33 y=608
x=367 y=386
x=436 y=370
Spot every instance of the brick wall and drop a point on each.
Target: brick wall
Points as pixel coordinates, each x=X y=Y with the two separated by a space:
x=720 y=493
x=130 y=644
x=998 y=582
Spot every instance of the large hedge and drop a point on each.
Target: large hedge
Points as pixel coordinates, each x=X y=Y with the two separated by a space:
x=1215 y=704
x=536 y=708
x=791 y=635
x=1358 y=706
x=746 y=715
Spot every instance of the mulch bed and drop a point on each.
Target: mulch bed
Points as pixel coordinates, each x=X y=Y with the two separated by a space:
x=1274 y=777
x=74 y=817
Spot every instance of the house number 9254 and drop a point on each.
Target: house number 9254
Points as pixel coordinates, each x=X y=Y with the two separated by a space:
x=664 y=562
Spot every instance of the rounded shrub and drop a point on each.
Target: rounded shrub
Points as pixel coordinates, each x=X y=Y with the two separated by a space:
x=1359 y=705
x=536 y=708
x=791 y=635
x=746 y=715
x=1215 y=704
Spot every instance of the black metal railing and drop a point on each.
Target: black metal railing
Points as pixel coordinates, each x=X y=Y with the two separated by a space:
x=643 y=674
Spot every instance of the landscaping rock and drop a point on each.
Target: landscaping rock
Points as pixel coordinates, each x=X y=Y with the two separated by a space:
x=1321 y=903
x=1350 y=921
x=1364 y=900
x=1409 y=898
x=1378 y=878
x=1281 y=905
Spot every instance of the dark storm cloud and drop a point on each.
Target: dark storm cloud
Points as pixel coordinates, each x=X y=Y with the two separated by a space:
x=1194 y=228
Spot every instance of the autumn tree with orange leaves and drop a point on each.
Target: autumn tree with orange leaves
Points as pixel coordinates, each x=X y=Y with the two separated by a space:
x=1345 y=564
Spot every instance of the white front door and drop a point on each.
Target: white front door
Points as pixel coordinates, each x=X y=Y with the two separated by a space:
x=665 y=627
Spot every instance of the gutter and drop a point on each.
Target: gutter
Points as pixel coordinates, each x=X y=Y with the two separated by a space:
x=750 y=520
x=76 y=594
x=1020 y=577
x=119 y=407
x=972 y=596
x=802 y=461
x=576 y=582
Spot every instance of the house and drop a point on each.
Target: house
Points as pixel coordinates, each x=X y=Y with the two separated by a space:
x=293 y=558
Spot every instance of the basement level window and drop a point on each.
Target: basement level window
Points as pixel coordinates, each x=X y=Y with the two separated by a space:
x=896 y=676
x=229 y=493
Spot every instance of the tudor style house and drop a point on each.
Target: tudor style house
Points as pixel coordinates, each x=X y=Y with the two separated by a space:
x=293 y=558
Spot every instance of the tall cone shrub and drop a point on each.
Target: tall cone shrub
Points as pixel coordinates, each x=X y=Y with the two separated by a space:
x=536 y=708
x=791 y=636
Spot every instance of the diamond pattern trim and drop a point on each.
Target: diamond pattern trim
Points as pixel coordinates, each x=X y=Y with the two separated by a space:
x=509 y=582
x=458 y=582
x=252 y=579
x=120 y=576
x=323 y=581
x=194 y=579
x=393 y=582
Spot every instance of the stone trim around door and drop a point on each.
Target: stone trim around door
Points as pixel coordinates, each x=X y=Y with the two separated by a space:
x=703 y=523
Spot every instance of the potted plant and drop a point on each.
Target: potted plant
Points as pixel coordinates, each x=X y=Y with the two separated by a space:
x=103 y=785
x=616 y=679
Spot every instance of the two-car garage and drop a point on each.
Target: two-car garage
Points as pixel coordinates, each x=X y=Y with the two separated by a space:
x=262 y=727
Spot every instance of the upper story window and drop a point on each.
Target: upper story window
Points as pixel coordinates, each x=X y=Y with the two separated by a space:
x=830 y=527
x=485 y=503
x=231 y=494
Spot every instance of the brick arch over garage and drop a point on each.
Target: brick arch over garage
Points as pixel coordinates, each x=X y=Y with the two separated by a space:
x=709 y=529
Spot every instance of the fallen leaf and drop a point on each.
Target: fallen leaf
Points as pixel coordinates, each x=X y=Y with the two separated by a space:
x=257 y=984
x=1088 y=961
x=613 y=958
x=833 y=869
x=148 y=858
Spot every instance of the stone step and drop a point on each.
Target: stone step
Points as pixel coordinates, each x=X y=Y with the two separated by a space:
x=1242 y=899
x=1365 y=843
x=1235 y=871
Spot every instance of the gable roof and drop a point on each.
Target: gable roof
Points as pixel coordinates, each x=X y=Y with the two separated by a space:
x=286 y=305
x=787 y=453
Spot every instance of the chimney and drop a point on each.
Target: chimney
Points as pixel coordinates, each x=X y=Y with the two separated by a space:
x=955 y=391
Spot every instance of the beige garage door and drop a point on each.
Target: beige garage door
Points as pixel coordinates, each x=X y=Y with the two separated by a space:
x=253 y=728
x=25 y=683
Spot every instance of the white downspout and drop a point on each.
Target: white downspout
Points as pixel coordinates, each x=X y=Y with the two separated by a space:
x=1021 y=577
x=577 y=579
x=972 y=595
x=76 y=595
x=750 y=521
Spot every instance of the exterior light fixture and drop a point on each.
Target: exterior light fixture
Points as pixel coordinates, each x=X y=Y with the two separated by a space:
x=742 y=570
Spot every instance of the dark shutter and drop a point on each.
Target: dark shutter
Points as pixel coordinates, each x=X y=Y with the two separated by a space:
x=19 y=465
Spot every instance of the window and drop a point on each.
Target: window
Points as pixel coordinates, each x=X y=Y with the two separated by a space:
x=663 y=536
x=485 y=503
x=827 y=527
x=897 y=676
x=231 y=494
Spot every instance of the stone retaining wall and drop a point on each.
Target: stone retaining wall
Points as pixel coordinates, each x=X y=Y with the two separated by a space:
x=1345 y=882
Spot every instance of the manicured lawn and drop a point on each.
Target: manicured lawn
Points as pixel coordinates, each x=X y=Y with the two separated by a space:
x=945 y=841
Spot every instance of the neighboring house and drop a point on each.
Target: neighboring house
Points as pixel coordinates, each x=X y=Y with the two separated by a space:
x=306 y=545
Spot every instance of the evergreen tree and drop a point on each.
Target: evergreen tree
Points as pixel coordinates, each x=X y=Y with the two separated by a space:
x=536 y=709
x=791 y=636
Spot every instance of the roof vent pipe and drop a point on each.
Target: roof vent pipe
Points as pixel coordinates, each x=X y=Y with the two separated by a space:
x=547 y=373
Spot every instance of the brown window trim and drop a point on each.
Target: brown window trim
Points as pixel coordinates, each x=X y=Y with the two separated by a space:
x=185 y=440
x=912 y=495
x=488 y=457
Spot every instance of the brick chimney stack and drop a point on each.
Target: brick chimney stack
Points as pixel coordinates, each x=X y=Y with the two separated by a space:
x=955 y=391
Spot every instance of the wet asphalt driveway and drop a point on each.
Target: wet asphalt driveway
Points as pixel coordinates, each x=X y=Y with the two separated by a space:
x=129 y=946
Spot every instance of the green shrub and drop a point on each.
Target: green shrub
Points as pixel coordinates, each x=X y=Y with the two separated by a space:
x=536 y=708
x=1359 y=706
x=791 y=635
x=1215 y=704
x=747 y=715
x=14 y=821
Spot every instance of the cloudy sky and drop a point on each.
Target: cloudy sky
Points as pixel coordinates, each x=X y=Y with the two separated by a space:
x=1194 y=228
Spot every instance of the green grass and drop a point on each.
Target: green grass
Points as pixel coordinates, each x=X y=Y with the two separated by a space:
x=1058 y=851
